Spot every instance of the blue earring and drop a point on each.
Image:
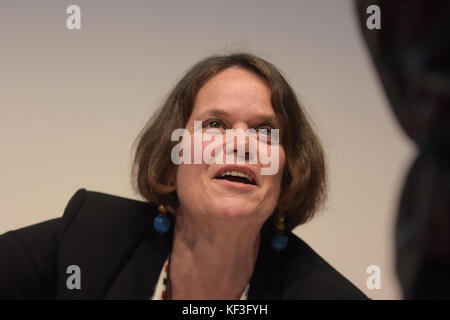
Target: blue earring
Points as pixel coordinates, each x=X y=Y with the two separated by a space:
x=161 y=223
x=280 y=240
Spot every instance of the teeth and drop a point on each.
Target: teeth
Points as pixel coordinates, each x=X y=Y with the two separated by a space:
x=237 y=174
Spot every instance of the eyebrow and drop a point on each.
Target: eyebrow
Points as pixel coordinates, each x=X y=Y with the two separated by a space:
x=222 y=113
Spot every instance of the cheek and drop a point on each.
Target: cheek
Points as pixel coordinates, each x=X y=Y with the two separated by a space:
x=212 y=147
x=187 y=172
x=187 y=186
x=277 y=178
x=282 y=159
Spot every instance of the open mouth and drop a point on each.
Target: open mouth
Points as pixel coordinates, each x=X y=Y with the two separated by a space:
x=236 y=176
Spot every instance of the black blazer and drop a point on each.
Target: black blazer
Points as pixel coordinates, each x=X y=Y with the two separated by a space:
x=120 y=256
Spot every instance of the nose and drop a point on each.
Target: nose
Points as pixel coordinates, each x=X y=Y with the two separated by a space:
x=240 y=140
x=240 y=125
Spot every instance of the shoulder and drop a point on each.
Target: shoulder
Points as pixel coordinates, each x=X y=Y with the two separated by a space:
x=100 y=232
x=96 y=231
x=309 y=276
x=99 y=217
x=102 y=203
x=104 y=219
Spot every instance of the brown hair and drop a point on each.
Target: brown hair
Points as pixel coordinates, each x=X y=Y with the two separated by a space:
x=303 y=187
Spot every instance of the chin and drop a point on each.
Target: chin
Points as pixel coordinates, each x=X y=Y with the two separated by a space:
x=234 y=209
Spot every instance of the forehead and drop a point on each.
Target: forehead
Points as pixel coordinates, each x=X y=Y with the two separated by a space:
x=234 y=90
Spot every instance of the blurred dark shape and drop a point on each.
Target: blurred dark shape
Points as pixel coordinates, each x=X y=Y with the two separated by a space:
x=411 y=53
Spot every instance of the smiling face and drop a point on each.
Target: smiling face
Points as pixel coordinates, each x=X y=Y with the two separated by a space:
x=233 y=99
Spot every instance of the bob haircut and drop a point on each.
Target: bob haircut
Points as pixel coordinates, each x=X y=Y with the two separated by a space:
x=303 y=187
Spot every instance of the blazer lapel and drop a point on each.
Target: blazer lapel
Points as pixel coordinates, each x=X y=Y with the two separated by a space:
x=266 y=282
x=138 y=277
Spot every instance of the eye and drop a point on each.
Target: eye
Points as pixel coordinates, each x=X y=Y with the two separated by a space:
x=266 y=130
x=213 y=123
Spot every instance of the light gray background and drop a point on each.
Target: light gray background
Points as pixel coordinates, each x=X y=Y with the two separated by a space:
x=72 y=103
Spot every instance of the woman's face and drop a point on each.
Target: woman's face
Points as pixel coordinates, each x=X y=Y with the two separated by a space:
x=233 y=99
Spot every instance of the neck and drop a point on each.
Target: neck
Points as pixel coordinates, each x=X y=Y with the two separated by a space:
x=212 y=262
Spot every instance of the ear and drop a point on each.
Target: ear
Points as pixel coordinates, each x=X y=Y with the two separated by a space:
x=171 y=210
x=171 y=180
x=172 y=177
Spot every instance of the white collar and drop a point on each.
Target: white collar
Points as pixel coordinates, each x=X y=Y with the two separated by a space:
x=157 y=293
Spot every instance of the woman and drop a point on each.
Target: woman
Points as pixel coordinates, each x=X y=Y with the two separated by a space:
x=209 y=229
